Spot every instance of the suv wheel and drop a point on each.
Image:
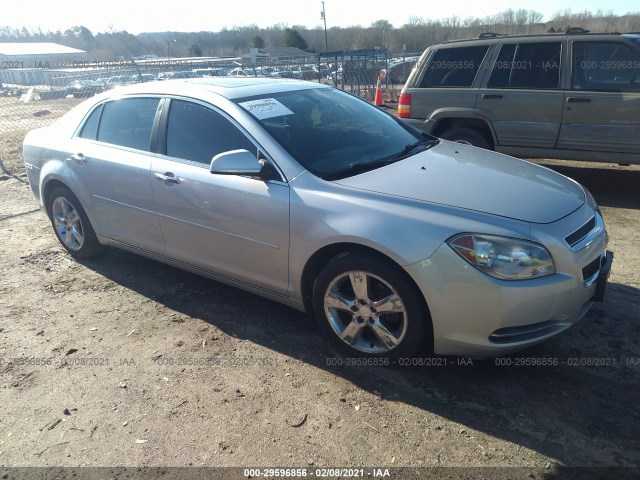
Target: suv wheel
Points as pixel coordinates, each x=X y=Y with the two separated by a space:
x=467 y=136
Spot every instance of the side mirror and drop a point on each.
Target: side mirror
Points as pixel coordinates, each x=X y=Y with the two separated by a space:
x=236 y=162
x=243 y=163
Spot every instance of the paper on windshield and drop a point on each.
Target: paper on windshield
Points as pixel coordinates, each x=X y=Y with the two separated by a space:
x=266 y=108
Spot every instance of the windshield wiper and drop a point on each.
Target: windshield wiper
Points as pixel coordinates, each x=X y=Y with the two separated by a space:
x=361 y=167
x=412 y=149
x=356 y=168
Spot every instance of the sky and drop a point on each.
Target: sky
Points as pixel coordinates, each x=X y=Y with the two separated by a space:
x=137 y=16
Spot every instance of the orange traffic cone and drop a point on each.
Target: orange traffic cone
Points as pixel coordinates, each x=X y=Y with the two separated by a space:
x=378 y=98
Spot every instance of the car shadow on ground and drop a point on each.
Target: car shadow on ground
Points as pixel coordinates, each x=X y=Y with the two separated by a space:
x=557 y=410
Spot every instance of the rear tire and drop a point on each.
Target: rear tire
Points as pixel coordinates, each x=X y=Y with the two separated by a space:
x=71 y=224
x=369 y=308
x=467 y=136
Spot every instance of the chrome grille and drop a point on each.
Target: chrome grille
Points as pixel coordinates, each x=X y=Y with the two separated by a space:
x=576 y=237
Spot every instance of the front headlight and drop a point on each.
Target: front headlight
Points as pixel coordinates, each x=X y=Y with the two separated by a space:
x=502 y=257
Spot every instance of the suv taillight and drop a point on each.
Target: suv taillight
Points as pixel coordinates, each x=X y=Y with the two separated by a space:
x=404 y=106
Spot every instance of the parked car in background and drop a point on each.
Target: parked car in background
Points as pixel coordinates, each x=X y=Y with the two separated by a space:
x=219 y=72
x=286 y=72
x=117 y=81
x=177 y=75
x=211 y=72
x=265 y=71
x=567 y=96
x=336 y=75
x=239 y=72
x=399 y=70
x=83 y=88
x=143 y=77
x=315 y=198
x=304 y=73
x=322 y=71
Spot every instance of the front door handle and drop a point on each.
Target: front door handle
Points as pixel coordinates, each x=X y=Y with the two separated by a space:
x=79 y=158
x=578 y=100
x=168 y=177
x=491 y=95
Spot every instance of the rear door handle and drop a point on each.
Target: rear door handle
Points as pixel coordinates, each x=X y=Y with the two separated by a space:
x=168 y=177
x=578 y=100
x=491 y=95
x=79 y=158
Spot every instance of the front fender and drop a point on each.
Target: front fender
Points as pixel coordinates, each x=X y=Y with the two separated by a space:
x=407 y=231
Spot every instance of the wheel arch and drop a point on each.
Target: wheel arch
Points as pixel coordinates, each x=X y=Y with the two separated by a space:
x=47 y=187
x=326 y=254
x=482 y=125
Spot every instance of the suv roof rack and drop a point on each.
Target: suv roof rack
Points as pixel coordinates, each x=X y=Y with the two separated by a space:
x=491 y=35
x=570 y=31
x=574 y=30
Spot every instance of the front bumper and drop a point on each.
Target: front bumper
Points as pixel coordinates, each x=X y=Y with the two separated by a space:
x=603 y=276
x=479 y=316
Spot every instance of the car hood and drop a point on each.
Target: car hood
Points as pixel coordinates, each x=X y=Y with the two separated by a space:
x=471 y=178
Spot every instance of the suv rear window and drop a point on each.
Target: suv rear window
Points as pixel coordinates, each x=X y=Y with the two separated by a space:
x=527 y=65
x=454 y=67
x=605 y=66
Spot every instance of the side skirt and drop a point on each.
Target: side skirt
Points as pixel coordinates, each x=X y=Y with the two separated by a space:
x=262 y=292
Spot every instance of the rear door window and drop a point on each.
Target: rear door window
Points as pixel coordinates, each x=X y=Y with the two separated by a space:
x=454 y=67
x=605 y=66
x=527 y=65
x=128 y=122
x=90 y=127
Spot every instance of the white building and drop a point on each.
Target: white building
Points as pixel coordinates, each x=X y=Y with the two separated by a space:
x=32 y=55
x=32 y=63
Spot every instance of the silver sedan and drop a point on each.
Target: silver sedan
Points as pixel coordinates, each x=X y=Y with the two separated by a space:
x=309 y=196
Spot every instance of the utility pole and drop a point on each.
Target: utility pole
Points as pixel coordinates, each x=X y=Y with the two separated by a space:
x=169 y=50
x=323 y=16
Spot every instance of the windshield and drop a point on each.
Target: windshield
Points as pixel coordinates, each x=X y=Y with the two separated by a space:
x=333 y=134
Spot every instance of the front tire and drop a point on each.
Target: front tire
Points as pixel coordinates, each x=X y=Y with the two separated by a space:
x=368 y=307
x=467 y=136
x=71 y=224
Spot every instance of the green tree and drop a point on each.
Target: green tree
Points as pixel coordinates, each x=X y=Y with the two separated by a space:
x=257 y=42
x=79 y=37
x=195 y=50
x=292 y=38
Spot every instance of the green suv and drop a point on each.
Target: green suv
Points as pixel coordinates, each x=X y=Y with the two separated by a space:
x=569 y=96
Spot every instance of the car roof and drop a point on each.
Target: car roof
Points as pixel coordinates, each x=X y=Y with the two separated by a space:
x=230 y=88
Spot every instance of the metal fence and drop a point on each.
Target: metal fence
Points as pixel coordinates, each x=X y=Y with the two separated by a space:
x=33 y=96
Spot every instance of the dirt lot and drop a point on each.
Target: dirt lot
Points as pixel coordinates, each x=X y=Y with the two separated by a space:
x=17 y=118
x=122 y=361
